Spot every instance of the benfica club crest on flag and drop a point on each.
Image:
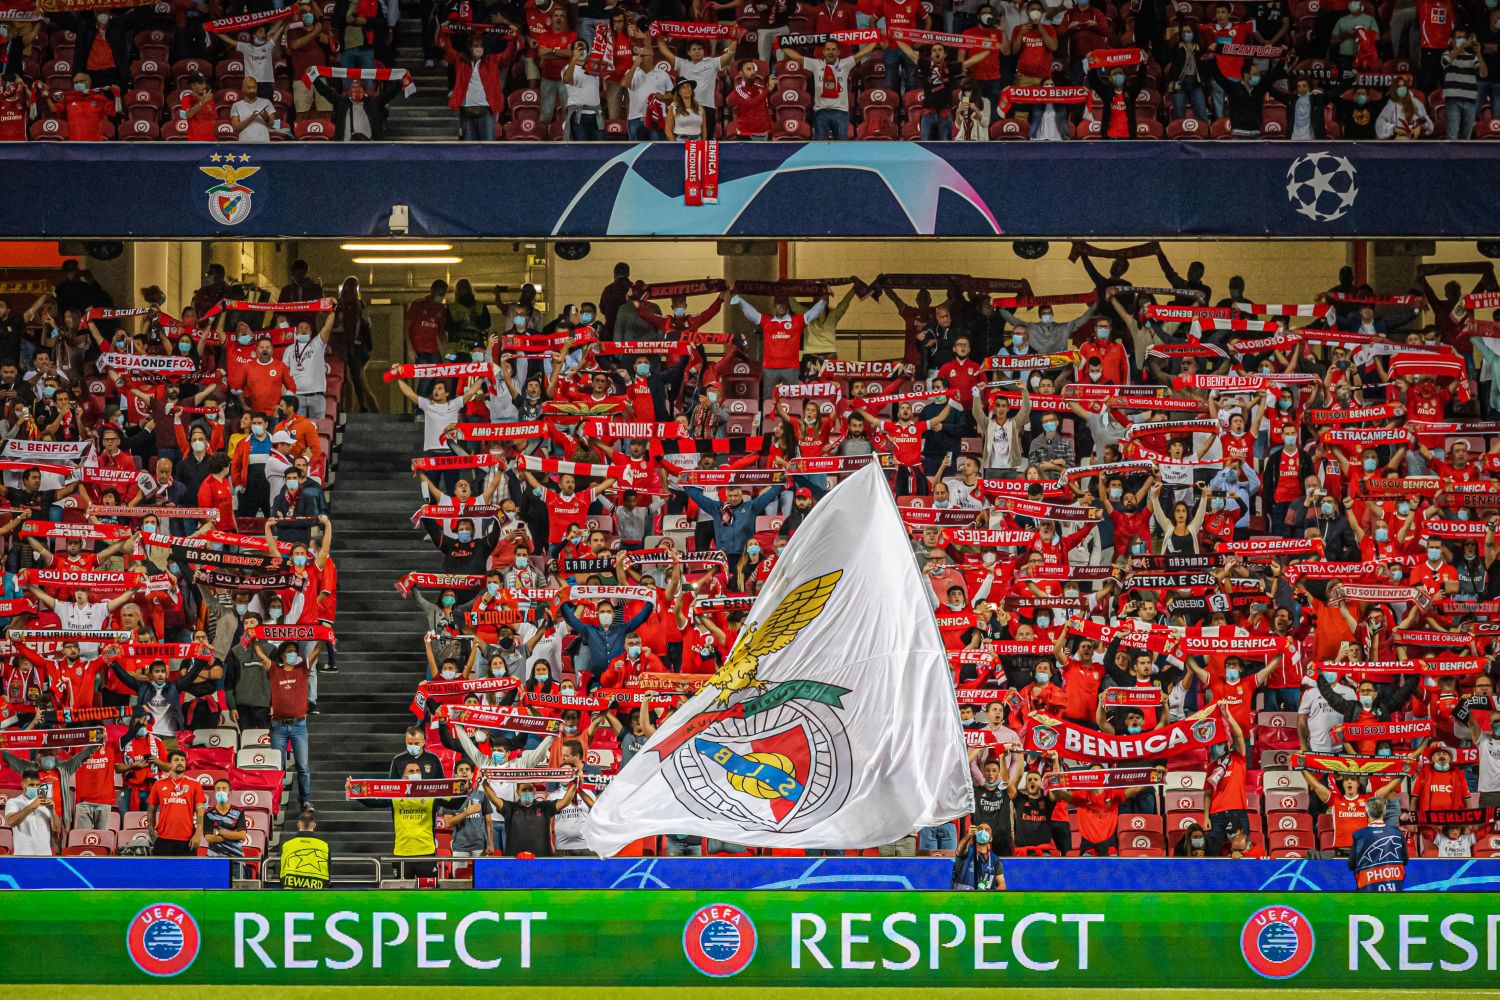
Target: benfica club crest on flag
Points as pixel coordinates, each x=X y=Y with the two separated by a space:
x=831 y=724
x=230 y=200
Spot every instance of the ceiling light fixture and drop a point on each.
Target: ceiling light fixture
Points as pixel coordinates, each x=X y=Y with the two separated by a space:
x=397 y=247
x=408 y=260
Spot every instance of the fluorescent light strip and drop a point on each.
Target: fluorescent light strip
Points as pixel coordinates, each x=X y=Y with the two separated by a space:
x=408 y=260
x=397 y=247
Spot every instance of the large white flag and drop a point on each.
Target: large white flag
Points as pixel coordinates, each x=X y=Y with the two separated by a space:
x=832 y=722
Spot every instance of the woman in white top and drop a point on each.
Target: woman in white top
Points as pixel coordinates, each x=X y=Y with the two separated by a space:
x=585 y=120
x=685 y=114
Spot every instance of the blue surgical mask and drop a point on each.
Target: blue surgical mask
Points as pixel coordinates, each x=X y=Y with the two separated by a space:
x=1231 y=674
x=1367 y=701
x=586 y=317
x=1042 y=679
x=244 y=339
x=1043 y=621
x=981 y=836
x=299 y=560
x=184 y=347
x=1216 y=503
x=1255 y=80
x=307 y=19
x=1381 y=534
x=1137 y=547
x=1331 y=676
x=1116 y=494
x=679 y=311
x=1101 y=332
x=1016 y=340
x=48 y=391
x=528 y=797
x=519 y=322
x=1118 y=79
x=304 y=338
x=1285 y=402
x=448 y=601
x=1403 y=508
x=1050 y=426
x=1369 y=465
x=222 y=798
x=466 y=536
x=1327 y=509
x=1383 y=752
x=643 y=369
x=492 y=588
x=1133 y=728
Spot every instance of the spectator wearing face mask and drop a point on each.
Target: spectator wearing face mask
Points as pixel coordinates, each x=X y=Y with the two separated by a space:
x=1463 y=65
x=478 y=93
x=33 y=818
x=57 y=776
x=1118 y=91
x=977 y=867
x=1244 y=95
x=604 y=642
x=1403 y=117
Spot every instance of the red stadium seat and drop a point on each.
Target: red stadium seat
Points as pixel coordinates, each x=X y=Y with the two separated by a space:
x=49 y=130
x=1008 y=130
x=525 y=129
x=90 y=843
x=313 y=129
x=791 y=129
x=525 y=104
x=139 y=130
x=1187 y=128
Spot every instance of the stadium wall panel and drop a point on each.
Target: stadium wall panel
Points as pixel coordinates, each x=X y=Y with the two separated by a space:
x=596 y=190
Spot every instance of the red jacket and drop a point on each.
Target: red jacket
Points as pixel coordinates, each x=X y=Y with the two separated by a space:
x=491 y=68
x=752 y=115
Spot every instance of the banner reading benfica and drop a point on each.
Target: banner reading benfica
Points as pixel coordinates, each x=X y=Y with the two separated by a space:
x=835 y=702
x=1076 y=743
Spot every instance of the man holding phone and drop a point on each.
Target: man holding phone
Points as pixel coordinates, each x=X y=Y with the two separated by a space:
x=33 y=819
x=252 y=116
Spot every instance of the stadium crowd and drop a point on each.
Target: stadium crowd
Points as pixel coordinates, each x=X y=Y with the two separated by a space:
x=870 y=69
x=166 y=568
x=1216 y=577
x=1136 y=511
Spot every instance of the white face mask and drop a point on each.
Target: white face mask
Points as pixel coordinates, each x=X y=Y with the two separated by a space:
x=606 y=619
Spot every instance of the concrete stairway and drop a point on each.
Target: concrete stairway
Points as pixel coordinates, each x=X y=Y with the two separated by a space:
x=363 y=707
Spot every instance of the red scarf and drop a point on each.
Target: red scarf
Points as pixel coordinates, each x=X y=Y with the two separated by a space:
x=830 y=83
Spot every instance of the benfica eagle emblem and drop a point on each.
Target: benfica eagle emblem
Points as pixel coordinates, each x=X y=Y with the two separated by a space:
x=768 y=755
x=229 y=201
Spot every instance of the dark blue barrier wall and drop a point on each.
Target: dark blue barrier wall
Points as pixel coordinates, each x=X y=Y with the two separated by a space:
x=1106 y=189
x=714 y=873
x=113 y=873
x=1030 y=874
x=1224 y=875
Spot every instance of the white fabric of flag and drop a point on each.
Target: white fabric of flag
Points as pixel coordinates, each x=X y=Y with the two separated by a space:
x=831 y=724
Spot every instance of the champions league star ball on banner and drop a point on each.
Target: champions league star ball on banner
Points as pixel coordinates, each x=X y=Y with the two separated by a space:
x=1322 y=186
x=832 y=723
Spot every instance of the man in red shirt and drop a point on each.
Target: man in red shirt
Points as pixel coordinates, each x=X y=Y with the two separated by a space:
x=86 y=110
x=986 y=72
x=1226 y=807
x=1435 y=24
x=1033 y=44
x=781 y=340
x=1234 y=689
x=426 y=319
x=263 y=381
x=904 y=438
x=198 y=110
x=749 y=101
x=174 y=809
x=290 y=703
x=94 y=786
x=1347 y=805
x=1437 y=784
x=900 y=70
x=1099 y=815
x=15 y=108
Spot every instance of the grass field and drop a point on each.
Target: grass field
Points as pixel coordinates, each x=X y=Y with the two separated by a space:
x=720 y=993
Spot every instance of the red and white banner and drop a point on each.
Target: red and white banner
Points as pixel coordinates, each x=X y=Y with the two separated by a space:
x=458 y=369
x=1072 y=742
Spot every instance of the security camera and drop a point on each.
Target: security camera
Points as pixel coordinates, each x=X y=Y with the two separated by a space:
x=400 y=220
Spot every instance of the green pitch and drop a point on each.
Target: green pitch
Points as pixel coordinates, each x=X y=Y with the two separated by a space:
x=718 y=993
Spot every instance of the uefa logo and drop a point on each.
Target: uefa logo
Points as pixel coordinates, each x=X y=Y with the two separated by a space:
x=719 y=940
x=162 y=940
x=1277 y=942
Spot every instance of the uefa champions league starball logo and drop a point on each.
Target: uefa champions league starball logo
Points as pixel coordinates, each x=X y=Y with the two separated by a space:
x=1321 y=186
x=1277 y=942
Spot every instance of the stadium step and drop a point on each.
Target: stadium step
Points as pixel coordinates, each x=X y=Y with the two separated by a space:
x=363 y=708
x=424 y=116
